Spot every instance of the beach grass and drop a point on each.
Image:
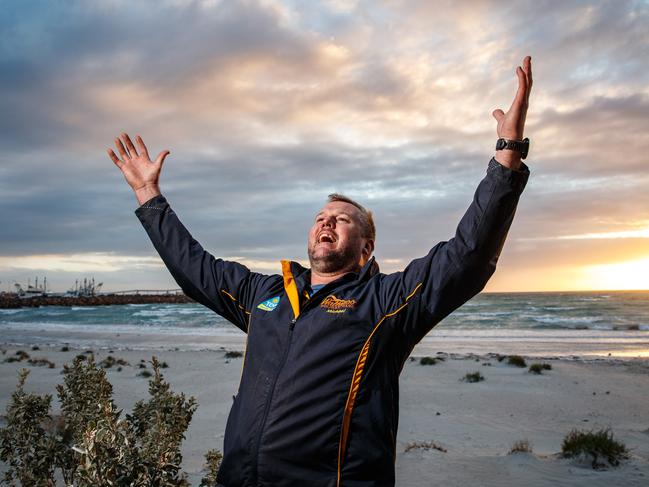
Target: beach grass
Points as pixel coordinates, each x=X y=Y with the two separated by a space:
x=538 y=368
x=427 y=361
x=424 y=445
x=41 y=362
x=473 y=377
x=521 y=446
x=596 y=445
x=233 y=354
x=516 y=360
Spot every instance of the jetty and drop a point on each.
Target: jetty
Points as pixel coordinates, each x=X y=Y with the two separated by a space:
x=85 y=293
x=13 y=300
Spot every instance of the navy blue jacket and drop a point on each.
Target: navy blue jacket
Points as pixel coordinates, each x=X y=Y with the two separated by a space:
x=318 y=401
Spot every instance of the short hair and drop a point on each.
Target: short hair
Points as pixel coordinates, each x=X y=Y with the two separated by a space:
x=367 y=220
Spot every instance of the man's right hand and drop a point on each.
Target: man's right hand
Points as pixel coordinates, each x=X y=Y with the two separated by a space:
x=140 y=172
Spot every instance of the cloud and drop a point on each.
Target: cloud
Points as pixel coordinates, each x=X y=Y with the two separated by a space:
x=268 y=106
x=89 y=262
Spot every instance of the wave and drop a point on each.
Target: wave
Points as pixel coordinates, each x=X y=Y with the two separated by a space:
x=11 y=311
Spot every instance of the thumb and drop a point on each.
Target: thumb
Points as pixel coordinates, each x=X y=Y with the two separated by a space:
x=161 y=157
x=498 y=114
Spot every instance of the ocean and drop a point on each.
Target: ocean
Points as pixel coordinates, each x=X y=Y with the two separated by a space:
x=581 y=325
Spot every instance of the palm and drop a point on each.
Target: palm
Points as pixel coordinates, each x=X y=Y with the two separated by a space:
x=141 y=171
x=137 y=167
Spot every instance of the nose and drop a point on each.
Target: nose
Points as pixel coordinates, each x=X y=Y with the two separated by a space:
x=328 y=222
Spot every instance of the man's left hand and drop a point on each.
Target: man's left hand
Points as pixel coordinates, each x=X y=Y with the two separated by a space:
x=512 y=123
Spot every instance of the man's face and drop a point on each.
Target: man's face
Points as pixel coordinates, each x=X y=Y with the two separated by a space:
x=336 y=241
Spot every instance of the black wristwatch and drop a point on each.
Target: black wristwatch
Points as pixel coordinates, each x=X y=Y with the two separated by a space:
x=521 y=146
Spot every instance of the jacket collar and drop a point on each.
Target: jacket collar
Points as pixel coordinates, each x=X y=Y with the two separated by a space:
x=302 y=275
x=297 y=278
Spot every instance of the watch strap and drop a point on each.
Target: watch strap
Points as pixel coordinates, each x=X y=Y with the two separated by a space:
x=521 y=146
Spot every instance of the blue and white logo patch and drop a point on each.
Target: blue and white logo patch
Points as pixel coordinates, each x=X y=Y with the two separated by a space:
x=269 y=304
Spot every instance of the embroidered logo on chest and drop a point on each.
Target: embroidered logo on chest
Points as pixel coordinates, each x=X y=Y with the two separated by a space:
x=331 y=304
x=269 y=304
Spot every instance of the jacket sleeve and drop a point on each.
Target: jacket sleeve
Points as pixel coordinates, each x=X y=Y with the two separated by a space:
x=228 y=288
x=431 y=287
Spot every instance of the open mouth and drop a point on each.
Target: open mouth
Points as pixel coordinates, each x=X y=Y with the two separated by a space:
x=326 y=238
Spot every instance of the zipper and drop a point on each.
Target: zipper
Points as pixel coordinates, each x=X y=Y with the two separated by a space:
x=291 y=326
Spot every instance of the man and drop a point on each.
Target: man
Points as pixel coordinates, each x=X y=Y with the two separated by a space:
x=318 y=400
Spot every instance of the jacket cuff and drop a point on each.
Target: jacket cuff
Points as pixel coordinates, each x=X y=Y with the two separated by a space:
x=157 y=203
x=517 y=178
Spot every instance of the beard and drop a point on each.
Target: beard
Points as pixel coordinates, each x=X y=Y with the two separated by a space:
x=334 y=261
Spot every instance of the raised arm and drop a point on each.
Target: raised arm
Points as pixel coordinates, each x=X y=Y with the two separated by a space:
x=228 y=288
x=456 y=270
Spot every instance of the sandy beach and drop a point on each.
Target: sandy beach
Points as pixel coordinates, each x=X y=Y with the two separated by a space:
x=476 y=423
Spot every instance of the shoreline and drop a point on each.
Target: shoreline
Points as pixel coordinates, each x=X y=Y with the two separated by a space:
x=593 y=345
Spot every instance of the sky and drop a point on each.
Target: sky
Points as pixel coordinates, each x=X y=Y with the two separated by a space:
x=267 y=106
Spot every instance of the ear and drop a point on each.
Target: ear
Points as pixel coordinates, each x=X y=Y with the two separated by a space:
x=368 y=248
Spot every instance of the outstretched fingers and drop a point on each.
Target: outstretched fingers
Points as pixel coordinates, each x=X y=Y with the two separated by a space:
x=521 y=92
x=142 y=147
x=527 y=68
x=129 y=145
x=161 y=157
x=121 y=149
x=114 y=158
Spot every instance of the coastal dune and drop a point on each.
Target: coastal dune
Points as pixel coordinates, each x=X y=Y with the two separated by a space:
x=451 y=432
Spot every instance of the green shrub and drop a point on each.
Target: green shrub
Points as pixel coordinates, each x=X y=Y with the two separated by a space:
x=25 y=447
x=84 y=394
x=212 y=464
x=597 y=445
x=90 y=444
x=427 y=361
x=516 y=360
x=473 y=377
x=159 y=425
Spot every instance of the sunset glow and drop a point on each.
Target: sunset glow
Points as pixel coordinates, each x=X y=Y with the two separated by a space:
x=616 y=276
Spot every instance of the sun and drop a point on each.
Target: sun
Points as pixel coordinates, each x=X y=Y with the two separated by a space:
x=629 y=275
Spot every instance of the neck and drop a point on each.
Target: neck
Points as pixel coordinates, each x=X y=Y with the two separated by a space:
x=318 y=277
x=325 y=278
